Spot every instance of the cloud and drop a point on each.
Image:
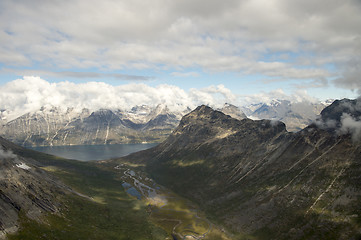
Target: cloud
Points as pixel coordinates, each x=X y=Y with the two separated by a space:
x=6 y=153
x=185 y=74
x=343 y=117
x=299 y=96
x=240 y=36
x=351 y=76
x=81 y=75
x=351 y=125
x=31 y=93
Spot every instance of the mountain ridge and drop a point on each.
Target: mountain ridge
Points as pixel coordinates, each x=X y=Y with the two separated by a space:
x=259 y=179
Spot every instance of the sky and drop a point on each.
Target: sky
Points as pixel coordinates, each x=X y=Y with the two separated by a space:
x=233 y=50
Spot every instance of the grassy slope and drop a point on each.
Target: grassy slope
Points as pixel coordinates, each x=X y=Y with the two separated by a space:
x=105 y=211
x=110 y=214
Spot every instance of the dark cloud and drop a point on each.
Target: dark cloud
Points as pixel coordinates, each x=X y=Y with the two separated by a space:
x=351 y=76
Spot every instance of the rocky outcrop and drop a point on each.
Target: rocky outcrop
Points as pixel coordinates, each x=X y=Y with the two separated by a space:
x=261 y=180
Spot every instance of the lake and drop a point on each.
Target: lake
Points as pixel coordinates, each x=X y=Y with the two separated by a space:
x=94 y=152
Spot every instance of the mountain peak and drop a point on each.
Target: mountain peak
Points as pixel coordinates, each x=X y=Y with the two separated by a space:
x=342 y=117
x=204 y=112
x=202 y=109
x=233 y=111
x=335 y=111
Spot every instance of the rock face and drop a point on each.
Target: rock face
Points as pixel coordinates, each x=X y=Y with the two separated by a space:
x=296 y=116
x=56 y=126
x=24 y=188
x=261 y=180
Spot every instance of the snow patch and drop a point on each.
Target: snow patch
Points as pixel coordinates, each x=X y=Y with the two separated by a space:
x=23 y=166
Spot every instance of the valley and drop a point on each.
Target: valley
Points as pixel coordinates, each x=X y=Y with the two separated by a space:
x=180 y=120
x=214 y=177
x=257 y=179
x=178 y=216
x=95 y=204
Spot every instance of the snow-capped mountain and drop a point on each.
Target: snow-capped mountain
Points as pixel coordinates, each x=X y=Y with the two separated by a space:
x=60 y=126
x=52 y=125
x=296 y=115
x=232 y=111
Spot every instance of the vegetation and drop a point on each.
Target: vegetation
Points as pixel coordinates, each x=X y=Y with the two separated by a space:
x=104 y=212
x=101 y=209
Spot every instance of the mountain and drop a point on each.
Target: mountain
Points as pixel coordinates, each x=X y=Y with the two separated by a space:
x=52 y=126
x=26 y=189
x=296 y=115
x=233 y=111
x=58 y=126
x=339 y=110
x=68 y=126
x=261 y=181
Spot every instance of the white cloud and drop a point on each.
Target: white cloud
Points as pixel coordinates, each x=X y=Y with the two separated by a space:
x=213 y=35
x=351 y=125
x=31 y=93
x=6 y=153
x=299 y=96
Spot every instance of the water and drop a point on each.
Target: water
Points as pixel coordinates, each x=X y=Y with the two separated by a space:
x=94 y=152
x=134 y=192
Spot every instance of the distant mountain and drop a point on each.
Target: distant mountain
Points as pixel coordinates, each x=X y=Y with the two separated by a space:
x=233 y=111
x=67 y=126
x=296 y=115
x=261 y=181
x=56 y=126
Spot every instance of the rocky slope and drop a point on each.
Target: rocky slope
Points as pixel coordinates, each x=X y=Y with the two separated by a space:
x=25 y=189
x=260 y=180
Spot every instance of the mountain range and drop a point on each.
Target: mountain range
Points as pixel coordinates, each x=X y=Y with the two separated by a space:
x=57 y=126
x=252 y=177
x=261 y=181
x=51 y=125
x=296 y=115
